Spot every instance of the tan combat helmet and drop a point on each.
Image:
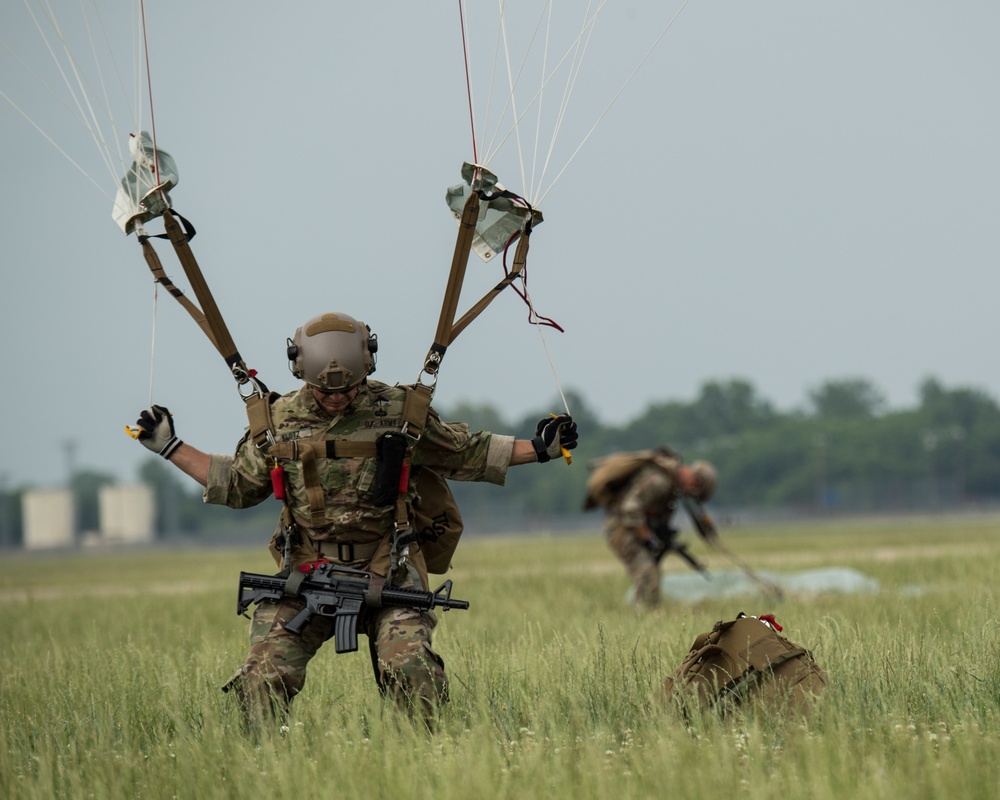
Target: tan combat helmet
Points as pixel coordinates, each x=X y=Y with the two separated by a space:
x=332 y=352
x=708 y=479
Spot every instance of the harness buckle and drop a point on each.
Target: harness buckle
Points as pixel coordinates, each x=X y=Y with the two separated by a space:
x=345 y=552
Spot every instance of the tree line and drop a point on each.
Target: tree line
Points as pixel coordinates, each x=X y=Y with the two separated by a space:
x=845 y=452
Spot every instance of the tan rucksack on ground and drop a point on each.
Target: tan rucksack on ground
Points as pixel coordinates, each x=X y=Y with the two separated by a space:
x=744 y=663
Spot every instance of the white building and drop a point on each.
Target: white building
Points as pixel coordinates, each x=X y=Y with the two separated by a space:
x=128 y=513
x=48 y=518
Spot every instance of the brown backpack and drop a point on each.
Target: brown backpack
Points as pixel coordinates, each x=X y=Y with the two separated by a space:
x=745 y=662
x=437 y=520
x=610 y=474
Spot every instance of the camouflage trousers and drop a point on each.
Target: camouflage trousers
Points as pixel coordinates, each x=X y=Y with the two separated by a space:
x=274 y=672
x=639 y=562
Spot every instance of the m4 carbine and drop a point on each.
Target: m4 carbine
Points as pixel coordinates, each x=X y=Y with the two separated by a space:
x=339 y=592
x=663 y=540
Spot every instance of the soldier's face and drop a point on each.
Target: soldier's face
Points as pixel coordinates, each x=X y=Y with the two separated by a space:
x=688 y=481
x=336 y=402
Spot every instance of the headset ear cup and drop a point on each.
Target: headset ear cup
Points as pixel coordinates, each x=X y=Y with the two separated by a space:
x=372 y=348
x=292 y=351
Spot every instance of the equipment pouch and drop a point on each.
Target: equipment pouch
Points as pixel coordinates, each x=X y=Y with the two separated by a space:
x=390 y=452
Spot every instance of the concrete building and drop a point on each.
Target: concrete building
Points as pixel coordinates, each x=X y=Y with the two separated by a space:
x=128 y=513
x=49 y=519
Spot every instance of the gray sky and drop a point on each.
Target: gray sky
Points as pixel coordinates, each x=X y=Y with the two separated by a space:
x=785 y=192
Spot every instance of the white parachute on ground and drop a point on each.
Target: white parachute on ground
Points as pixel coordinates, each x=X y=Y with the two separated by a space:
x=689 y=587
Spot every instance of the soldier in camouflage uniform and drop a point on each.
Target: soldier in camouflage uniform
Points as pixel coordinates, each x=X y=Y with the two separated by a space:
x=330 y=513
x=645 y=504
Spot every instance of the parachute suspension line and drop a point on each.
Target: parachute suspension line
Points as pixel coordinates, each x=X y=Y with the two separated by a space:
x=51 y=141
x=534 y=318
x=495 y=146
x=103 y=84
x=77 y=88
x=538 y=115
x=615 y=98
x=579 y=51
x=152 y=347
x=468 y=81
x=149 y=89
x=512 y=84
x=552 y=366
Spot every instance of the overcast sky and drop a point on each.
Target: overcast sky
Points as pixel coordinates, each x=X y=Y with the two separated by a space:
x=785 y=192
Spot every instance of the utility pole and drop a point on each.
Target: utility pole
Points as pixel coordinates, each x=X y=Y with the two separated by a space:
x=6 y=517
x=69 y=449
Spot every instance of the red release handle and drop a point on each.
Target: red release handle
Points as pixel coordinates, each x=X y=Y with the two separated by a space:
x=404 y=477
x=278 y=482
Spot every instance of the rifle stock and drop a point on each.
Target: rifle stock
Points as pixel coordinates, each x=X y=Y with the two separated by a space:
x=338 y=592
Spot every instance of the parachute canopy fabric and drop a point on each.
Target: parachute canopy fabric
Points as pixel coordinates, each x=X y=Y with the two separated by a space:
x=143 y=192
x=500 y=216
x=723 y=584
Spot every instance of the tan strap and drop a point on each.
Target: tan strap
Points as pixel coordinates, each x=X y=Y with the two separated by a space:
x=314 y=490
x=448 y=330
x=223 y=341
x=459 y=262
x=346 y=553
x=153 y=262
x=259 y=416
x=520 y=259
x=416 y=407
x=340 y=448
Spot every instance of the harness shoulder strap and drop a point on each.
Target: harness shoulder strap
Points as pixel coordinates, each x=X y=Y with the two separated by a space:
x=416 y=408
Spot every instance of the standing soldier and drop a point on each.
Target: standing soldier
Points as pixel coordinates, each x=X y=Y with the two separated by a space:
x=336 y=440
x=639 y=492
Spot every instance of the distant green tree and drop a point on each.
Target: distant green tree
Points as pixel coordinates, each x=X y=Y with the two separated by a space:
x=728 y=407
x=962 y=436
x=479 y=416
x=847 y=398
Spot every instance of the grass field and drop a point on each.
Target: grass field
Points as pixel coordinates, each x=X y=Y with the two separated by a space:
x=112 y=662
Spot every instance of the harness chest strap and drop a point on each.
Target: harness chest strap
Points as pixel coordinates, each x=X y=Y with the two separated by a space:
x=416 y=408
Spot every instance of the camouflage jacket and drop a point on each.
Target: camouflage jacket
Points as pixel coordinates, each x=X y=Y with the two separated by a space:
x=243 y=480
x=649 y=494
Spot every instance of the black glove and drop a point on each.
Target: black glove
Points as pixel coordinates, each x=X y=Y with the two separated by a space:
x=156 y=431
x=552 y=435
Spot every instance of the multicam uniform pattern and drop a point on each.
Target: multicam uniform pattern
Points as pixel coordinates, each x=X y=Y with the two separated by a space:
x=647 y=498
x=406 y=668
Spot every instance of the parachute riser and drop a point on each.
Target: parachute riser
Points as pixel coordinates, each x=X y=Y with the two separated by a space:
x=483 y=188
x=208 y=317
x=456 y=277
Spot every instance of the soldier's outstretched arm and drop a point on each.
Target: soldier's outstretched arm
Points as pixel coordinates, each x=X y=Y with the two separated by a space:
x=154 y=430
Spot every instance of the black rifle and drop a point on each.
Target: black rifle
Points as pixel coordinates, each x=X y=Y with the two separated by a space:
x=663 y=540
x=338 y=592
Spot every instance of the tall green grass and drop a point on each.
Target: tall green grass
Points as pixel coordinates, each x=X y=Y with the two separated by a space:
x=111 y=664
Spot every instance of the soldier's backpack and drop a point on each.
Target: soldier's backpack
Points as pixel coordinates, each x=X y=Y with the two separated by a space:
x=437 y=521
x=610 y=474
x=744 y=663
